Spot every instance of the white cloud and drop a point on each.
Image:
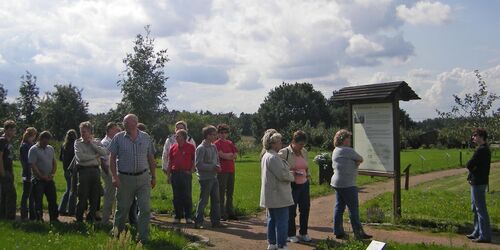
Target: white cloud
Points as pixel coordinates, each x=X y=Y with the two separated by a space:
x=360 y=46
x=2 y=60
x=424 y=12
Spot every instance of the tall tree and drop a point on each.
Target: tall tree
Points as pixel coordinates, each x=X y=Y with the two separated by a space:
x=474 y=110
x=7 y=110
x=62 y=109
x=28 y=98
x=143 y=83
x=297 y=102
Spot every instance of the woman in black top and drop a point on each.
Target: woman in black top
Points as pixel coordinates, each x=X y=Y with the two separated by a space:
x=66 y=156
x=27 y=201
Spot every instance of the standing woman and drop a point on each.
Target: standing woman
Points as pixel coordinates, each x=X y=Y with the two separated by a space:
x=275 y=191
x=27 y=201
x=296 y=156
x=66 y=156
x=345 y=163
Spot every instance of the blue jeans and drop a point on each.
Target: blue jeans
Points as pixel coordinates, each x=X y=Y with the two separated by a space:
x=209 y=189
x=277 y=226
x=346 y=197
x=63 y=207
x=301 y=198
x=482 y=229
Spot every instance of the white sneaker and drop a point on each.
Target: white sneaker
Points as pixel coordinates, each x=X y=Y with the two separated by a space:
x=283 y=248
x=177 y=221
x=293 y=239
x=272 y=247
x=305 y=238
x=189 y=221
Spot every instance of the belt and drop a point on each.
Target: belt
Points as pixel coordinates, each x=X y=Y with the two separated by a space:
x=133 y=174
x=80 y=167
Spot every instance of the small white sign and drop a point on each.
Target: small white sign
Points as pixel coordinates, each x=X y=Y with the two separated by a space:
x=376 y=245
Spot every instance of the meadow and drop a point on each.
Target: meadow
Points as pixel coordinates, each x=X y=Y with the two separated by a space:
x=441 y=205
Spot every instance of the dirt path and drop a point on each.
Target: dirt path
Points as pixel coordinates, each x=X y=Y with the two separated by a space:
x=251 y=233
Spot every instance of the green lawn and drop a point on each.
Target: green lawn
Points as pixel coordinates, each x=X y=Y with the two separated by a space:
x=32 y=235
x=441 y=205
x=360 y=245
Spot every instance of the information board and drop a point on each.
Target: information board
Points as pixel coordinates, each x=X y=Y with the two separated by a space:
x=374 y=136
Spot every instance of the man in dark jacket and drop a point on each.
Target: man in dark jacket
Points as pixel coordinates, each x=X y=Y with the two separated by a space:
x=479 y=171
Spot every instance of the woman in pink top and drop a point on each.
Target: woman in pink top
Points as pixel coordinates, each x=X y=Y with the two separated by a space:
x=296 y=157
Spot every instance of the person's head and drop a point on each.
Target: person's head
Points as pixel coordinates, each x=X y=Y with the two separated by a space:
x=44 y=138
x=86 y=131
x=181 y=136
x=181 y=125
x=342 y=138
x=271 y=140
x=9 y=128
x=70 y=137
x=299 y=139
x=142 y=127
x=223 y=131
x=479 y=136
x=29 y=134
x=210 y=133
x=112 y=129
x=130 y=122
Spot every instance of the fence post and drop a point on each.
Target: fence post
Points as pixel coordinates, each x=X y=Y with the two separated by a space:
x=461 y=164
x=407 y=177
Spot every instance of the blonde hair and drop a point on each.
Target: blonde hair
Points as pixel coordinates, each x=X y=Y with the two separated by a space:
x=183 y=123
x=270 y=136
x=30 y=131
x=340 y=137
x=86 y=125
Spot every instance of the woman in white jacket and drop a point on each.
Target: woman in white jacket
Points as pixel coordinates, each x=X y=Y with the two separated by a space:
x=275 y=192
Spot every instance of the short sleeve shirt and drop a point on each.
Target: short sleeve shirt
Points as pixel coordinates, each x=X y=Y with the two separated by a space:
x=226 y=146
x=8 y=153
x=42 y=157
x=182 y=159
x=132 y=156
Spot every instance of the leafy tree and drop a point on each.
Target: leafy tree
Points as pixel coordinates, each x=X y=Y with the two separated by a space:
x=143 y=83
x=7 y=110
x=474 y=110
x=288 y=103
x=28 y=99
x=62 y=109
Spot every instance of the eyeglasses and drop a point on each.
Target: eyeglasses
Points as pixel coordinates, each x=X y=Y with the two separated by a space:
x=224 y=132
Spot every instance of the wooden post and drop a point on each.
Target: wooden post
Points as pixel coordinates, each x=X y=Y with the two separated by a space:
x=397 y=161
x=461 y=164
x=407 y=177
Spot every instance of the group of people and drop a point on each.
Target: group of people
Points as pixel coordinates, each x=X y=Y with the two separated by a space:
x=125 y=161
x=285 y=185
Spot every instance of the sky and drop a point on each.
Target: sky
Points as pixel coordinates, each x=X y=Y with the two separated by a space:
x=225 y=56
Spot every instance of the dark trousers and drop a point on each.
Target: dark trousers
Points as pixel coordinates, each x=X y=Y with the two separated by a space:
x=73 y=193
x=182 y=189
x=27 y=201
x=346 y=197
x=89 y=192
x=63 y=206
x=226 y=190
x=7 y=196
x=301 y=198
x=47 y=188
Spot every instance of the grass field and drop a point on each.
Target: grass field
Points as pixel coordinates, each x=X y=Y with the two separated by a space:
x=360 y=245
x=441 y=205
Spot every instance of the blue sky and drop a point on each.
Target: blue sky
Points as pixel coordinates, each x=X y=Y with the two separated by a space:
x=227 y=55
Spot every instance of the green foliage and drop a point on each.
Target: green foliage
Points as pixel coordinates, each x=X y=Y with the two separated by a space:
x=297 y=102
x=62 y=110
x=7 y=110
x=143 y=83
x=360 y=245
x=28 y=99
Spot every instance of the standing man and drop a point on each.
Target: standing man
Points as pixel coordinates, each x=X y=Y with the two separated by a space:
x=109 y=190
x=227 y=155
x=180 y=168
x=87 y=154
x=479 y=171
x=207 y=164
x=170 y=141
x=7 y=188
x=132 y=166
x=43 y=164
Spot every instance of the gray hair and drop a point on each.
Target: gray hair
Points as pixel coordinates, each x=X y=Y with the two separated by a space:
x=270 y=136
